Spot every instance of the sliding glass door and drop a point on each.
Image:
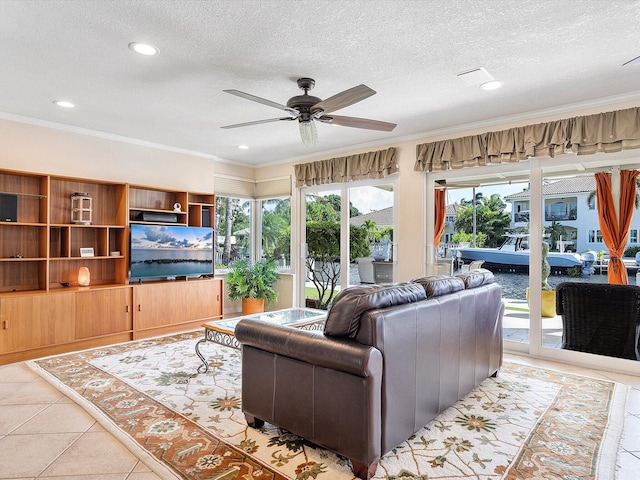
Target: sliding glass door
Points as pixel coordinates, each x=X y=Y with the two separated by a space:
x=348 y=238
x=553 y=217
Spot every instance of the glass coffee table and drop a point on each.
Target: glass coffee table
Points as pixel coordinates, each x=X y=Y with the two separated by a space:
x=222 y=331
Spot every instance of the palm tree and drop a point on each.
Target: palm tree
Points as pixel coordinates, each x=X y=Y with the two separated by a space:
x=555 y=231
x=372 y=229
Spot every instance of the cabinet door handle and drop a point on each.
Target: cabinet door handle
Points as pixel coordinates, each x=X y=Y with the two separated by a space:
x=139 y=308
x=126 y=309
x=5 y=324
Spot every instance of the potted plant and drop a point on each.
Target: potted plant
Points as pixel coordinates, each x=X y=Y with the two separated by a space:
x=548 y=292
x=253 y=284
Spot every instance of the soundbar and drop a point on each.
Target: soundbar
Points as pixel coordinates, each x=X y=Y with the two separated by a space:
x=164 y=217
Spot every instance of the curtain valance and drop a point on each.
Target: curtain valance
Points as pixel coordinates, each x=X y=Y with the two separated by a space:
x=585 y=135
x=345 y=169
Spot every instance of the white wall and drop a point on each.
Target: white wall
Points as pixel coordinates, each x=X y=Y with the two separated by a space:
x=38 y=149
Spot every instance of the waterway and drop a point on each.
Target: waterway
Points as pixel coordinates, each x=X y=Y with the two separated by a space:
x=514 y=285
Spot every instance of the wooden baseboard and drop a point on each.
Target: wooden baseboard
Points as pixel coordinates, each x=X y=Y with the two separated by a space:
x=65 y=348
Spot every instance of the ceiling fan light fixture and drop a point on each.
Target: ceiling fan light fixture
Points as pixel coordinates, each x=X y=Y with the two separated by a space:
x=308 y=132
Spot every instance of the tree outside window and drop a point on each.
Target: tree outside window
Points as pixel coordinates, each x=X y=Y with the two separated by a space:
x=276 y=230
x=233 y=229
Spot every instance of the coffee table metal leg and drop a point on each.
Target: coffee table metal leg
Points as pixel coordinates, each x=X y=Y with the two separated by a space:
x=204 y=368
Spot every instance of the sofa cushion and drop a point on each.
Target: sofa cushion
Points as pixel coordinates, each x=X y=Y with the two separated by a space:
x=475 y=278
x=439 y=285
x=343 y=318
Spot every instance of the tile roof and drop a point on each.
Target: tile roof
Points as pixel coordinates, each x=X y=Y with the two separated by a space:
x=383 y=218
x=582 y=184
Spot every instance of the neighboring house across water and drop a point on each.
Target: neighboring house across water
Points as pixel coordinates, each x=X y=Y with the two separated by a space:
x=449 y=223
x=565 y=202
x=382 y=218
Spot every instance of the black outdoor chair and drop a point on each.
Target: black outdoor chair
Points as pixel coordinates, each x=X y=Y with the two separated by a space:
x=600 y=318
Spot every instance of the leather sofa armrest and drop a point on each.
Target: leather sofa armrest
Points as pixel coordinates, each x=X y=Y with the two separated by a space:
x=311 y=347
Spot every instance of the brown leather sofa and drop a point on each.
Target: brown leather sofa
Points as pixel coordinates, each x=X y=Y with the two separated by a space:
x=391 y=358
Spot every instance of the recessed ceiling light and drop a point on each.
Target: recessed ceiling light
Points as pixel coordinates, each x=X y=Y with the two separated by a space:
x=492 y=85
x=64 y=104
x=143 y=48
x=243 y=147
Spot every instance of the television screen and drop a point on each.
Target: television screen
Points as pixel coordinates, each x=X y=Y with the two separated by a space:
x=170 y=251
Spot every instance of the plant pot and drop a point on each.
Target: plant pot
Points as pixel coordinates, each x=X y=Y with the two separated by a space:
x=312 y=303
x=252 y=305
x=548 y=303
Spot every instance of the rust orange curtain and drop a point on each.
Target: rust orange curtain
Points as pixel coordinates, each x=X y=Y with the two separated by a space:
x=440 y=207
x=616 y=233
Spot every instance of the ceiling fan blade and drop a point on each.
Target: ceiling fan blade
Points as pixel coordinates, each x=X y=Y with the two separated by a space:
x=257 y=122
x=344 y=99
x=263 y=101
x=358 y=123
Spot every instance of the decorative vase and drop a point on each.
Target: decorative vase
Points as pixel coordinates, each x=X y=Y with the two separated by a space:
x=252 y=305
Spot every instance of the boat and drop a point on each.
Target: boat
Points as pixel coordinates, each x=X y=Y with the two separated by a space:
x=513 y=256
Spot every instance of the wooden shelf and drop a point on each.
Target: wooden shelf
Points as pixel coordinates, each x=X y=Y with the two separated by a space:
x=22 y=259
x=42 y=308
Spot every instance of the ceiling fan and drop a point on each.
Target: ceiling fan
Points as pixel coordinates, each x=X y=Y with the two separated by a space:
x=308 y=109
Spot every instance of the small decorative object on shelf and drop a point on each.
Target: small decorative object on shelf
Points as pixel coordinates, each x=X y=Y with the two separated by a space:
x=177 y=207
x=81 y=208
x=84 y=277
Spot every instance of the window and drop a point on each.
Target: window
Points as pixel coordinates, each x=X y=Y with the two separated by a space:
x=595 y=236
x=561 y=210
x=253 y=220
x=348 y=231
x=233 y=229
x=276 y=230
x=633 y=236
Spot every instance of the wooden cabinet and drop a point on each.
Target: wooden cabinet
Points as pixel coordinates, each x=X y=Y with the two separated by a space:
x=41 y=250
x=23 y=243
x=42 y=309
x=201 y=210
x=157 y=207
x=103 y=312
x=106 y=236
x=32 y=321
x=173 y=306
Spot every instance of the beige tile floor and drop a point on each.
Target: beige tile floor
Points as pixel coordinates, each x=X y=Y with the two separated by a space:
x=44 y=434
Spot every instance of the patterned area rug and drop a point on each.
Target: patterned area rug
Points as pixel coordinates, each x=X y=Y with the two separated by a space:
x=526 y=423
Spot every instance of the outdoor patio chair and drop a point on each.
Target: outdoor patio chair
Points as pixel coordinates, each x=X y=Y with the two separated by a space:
x=444 y=266
x=365 y=269
x=600 y=318
x=474 y=265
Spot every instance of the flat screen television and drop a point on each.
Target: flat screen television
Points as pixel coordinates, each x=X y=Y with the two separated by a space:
x=161 y=251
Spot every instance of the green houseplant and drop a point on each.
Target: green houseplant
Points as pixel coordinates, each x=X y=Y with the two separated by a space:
x=253 y=284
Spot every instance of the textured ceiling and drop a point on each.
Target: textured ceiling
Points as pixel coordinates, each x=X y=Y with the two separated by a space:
x=552 y=55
